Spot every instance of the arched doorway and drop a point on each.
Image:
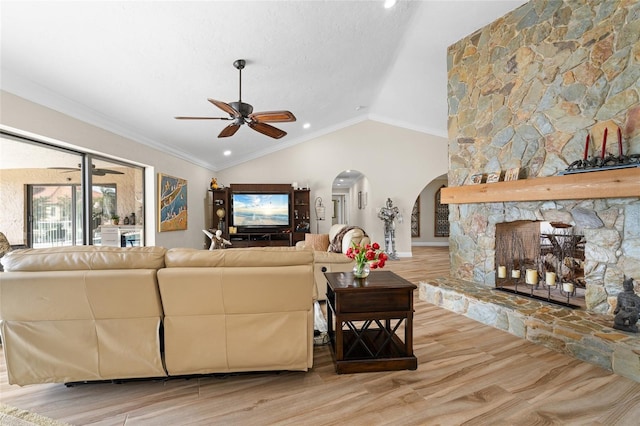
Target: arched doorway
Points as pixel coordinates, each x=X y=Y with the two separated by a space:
x=350 y=197
x=430 y=218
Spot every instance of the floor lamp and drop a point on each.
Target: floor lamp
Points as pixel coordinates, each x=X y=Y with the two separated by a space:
x=320 y=212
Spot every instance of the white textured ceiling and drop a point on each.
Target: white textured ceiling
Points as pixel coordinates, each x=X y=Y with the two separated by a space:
x=132 y=66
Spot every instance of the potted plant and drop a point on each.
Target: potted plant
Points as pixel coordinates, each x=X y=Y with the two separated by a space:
x=115 y=219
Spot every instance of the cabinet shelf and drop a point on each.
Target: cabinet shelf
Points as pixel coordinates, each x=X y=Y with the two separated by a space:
x=618 y=183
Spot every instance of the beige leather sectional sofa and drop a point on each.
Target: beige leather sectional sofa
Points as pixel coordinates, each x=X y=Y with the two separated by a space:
x=90 y=313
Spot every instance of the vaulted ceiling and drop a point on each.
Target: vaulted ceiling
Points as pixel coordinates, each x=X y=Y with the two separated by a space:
x=131 y=66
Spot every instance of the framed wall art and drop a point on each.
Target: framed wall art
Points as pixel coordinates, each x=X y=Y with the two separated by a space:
x=172 y=203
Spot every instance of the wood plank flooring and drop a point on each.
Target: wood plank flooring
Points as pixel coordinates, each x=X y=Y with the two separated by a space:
x=468 y=373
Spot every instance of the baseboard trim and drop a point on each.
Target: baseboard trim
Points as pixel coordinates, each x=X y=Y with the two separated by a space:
x=430 y=244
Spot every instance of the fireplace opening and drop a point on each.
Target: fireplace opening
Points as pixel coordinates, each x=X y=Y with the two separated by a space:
x=541 y=260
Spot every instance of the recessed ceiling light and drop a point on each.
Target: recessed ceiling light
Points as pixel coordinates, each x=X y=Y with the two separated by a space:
x=388 y=4
x=306 y=125
x=227 y=153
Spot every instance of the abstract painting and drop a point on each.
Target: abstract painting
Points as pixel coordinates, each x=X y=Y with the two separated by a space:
x=172 y=203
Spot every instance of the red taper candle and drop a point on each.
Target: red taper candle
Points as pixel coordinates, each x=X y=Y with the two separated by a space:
x=619 y=142
x=586 y=147
x=604 y=142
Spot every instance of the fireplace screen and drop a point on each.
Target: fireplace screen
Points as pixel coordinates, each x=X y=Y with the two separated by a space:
x=543 y=260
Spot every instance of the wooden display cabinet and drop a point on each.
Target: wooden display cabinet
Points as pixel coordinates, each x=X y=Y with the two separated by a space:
x=301 y=214
x=221 y=204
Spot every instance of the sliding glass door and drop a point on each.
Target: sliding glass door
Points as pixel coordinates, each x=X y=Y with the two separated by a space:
x=55 y=215
x=52 y=196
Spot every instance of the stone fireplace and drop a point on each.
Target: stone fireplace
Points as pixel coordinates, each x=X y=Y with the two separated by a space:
x=524 y=92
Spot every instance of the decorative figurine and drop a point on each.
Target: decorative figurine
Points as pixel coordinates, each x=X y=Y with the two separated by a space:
x=389 y=214
x=214 y=183
x=627 y=309
x=217 y=242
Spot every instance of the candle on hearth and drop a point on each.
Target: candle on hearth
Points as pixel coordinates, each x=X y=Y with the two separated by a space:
x=604 y=142
x=586 y=147
x=502 y=272
x=515 y=273
x=550 y=278
x=619 y=142
x=532 y=276
x=567 y=287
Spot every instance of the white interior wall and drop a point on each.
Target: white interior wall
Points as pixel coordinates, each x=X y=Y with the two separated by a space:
x=396 y=162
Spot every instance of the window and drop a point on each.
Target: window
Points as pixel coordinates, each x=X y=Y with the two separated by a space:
x=441 y=216
x=415 y=219
x=43 y=191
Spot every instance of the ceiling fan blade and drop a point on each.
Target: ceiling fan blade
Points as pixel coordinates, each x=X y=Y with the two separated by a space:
x=102 y=172
x=267 y=129
x=225 y=107
x=203 y=118
x=273 y=116
x=230 y=130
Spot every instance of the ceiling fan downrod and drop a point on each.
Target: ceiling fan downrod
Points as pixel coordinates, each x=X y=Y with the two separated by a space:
x=239 y=64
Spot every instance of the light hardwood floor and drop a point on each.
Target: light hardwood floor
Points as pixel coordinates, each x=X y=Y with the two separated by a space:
x=468 y=373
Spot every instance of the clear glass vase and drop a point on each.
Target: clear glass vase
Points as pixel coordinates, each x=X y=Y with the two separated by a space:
x=361 y=270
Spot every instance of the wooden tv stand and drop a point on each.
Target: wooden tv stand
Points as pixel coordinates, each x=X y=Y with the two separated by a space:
x=245 y=239
x=299 y=212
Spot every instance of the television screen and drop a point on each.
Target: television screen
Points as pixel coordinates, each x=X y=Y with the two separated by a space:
x=260 y=209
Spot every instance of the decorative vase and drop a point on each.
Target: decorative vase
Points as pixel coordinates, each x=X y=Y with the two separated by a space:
x=361 y=270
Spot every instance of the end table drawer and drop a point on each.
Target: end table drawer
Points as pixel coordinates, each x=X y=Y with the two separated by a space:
x=378 y=301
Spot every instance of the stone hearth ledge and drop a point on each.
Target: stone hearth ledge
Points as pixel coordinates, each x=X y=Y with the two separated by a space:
x=583 y=335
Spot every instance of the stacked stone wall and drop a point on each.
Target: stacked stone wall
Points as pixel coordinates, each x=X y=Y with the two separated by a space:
x=524 y=92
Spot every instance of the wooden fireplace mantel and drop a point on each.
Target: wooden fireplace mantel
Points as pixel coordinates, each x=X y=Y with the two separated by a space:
x=618 y=183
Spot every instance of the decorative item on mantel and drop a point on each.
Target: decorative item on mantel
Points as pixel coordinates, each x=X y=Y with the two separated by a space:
x=627 y=309
x=366 y=257
x=604 y=161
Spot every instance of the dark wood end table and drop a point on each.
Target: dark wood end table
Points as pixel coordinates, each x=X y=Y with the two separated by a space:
x=368 y=313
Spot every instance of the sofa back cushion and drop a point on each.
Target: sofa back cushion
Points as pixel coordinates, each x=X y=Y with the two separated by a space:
x=240 y=257
x=74 y=258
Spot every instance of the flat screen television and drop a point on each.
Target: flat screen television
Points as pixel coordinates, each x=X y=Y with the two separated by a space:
x=260 y=210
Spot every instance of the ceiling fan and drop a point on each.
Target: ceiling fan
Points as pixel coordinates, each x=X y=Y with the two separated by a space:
x=241 y=113
x=94 y=171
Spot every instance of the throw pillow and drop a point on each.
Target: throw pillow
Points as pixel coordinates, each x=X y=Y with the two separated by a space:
x=319 y=242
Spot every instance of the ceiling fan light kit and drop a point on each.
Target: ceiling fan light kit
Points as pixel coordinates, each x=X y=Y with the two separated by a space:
x=242 y=113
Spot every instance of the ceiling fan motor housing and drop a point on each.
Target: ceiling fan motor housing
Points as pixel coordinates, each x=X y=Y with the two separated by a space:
x=242 y=108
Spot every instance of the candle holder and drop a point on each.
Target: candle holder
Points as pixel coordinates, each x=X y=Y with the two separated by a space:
x=502 y=272
x=568 y=290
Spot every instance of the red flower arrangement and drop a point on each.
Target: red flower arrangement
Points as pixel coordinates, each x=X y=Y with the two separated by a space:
x=370 y=254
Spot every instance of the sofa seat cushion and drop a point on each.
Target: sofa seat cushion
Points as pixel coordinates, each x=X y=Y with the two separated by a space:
x=74 y=258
